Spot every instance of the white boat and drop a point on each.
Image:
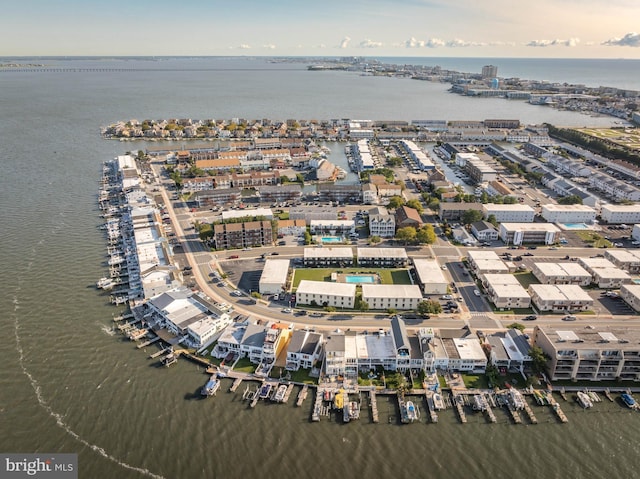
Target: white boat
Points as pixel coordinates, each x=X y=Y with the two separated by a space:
x=280 y=392
x=411 y=411
x=438 y=402
x=105 y=283
x=211 y=387
x=584 y=400
x=354 y=410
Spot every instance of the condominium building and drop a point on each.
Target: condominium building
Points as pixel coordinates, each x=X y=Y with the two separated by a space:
x=486 y=261
x=327 y=256
x=505 y=291
x=219 y=196
x=383 y=226
x=391 y=296
x=332 y=227
x=568 y=213
x=509 y=213
x=243 y=235
x=304 y=349
x=521 y=233
x=561 y=273
x=630 y=293
x=382 y=257
x=560 y=297
x=321 y=293
x=620 y=214
x=605 y=274
x=274 y=276
x=598 y=353
x=628 y=260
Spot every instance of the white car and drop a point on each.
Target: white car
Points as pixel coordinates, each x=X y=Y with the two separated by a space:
x=286 y=310
x=476 y=292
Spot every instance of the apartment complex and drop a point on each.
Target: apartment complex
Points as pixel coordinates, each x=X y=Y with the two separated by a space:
x=560 y=297
x=429 y=276
x=561 y=273
x=243 y=235
x=505 y=291
x=523 y=233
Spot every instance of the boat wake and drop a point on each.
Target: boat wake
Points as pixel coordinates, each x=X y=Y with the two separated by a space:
x=45 y=405
x=107 y=330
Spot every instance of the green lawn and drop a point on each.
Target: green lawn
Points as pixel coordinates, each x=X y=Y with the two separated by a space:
x=387 y=276
x=526 y=279
x=245 y=366
x=475 y=381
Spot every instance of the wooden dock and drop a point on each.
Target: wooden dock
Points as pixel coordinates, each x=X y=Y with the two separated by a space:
x=489 y=413
x=530 y=415
x=458 y=402
x=556 y=409
x=608 y=395
x=515 y=415
x=287 y=393
x=431 y=408
x=122 y=317
x=255 y=399
x=373 y=403
x=302 y=395
x=148 y=343
x=563 y=395
x=317 y=406
x=159 y=353
x=235 y=385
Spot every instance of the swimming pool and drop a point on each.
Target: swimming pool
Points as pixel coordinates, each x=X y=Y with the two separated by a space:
x=331 y=239
x=350 y=278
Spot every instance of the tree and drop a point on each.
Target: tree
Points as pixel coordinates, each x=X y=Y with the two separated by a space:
x=406 y=234
x=395 y=202
x=375 y=239
x=492 y=219
x=416 y=205
x=471 y=216
x=509 y=200
x=538 y=358
x=307 y=237
x=394 y=161
x=434 y=204
x=426 y=235
x=570 y=200
x=518 y=326
x=429 y=306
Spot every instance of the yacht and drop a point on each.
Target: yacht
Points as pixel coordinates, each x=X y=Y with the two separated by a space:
x=629 y=401
x=211 y=387
x=438 y=402
x=280 y=392
x=584 y=400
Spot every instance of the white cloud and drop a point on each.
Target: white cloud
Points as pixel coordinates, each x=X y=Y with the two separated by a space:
x=571 y=42
x=244 y=46
x=434 y=43
x=345 y=42
x=456 y=42
x=629 y=40
x=269 y=46
x=370 y=44
x=413 y=43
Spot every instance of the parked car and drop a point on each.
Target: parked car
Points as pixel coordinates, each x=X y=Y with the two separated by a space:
x=234 y=256
x=569 y=317
x=531 y=317
x=477 y=292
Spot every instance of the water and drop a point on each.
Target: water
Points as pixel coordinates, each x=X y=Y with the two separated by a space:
x=331 y=239
x=359 y=279
x=576 y=226
x=68 y=384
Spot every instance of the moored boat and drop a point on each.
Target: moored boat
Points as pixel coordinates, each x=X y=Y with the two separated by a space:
x=629 y=401
x=584 y=400
x=265 y=390
x=280 y=392
x=411 y=411
x=438 y=402
x=211 y=387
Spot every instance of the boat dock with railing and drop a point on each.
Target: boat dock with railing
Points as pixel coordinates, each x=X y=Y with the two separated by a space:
x=302 y=395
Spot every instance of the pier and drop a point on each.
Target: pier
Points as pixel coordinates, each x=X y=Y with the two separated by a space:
x=608 y=395
x=373 y=403
x=489 y=411
x=287 y=393
x=148 y=342
x=458 y=402
x=235 y=385
x=556 y=408
x=431 y=408
x=317 y=406
x=255 y=398
x=159 y=353
x=302 y=395
x=530 y=415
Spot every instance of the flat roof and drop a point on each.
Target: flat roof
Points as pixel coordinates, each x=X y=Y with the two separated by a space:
x=623 y=255
x=469 y=348
x=592 y=338
x=530 y=227
x=275 y=271
x=620 y=208
x=374 y=346
x=381 y=253
x=506 y=286
x=595 y=263
x=329 y=252
x=429 y=271
x=562 y=269
x=409 y=291
x=321 y=287
x=508 y=207
x=229 y=214
x=560 y=292
x=332 y=223
x=555 y=207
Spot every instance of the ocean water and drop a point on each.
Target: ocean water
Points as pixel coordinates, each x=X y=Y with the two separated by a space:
x=68 y=383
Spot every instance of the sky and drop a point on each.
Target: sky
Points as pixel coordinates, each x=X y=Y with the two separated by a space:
x=375 y=28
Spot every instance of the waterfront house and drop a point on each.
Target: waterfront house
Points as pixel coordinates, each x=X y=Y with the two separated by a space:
x=304 y=349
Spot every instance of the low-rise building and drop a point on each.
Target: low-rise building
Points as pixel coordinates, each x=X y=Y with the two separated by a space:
x=568 y=213
x=509 y=350
x=454 y=211
x=486 y=261
x=309 y=213
x=292 y=227
x=320 y=293
x=484 y=231
x=598 y=353
x=561 y=273
x=304 y=349
x=262 y=213
x=429 y=276
x=505 y=291
x=560 y=297
x=406 y=216
x=391 y=296
x=219 y=196
x=243 y=235
x=620 y=214
x=332 y=227
x=327 y=256
x=630 y=293
x=522 y=233
x=604 y=272
x=382 y=225
x=509 y=213
x=273 y=279
x=382 y=257
x=628 y=260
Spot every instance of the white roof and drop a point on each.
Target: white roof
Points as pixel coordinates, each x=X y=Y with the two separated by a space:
x=275 y=271
x=328 y=252
x=409 y=291
x=624 y=255
x=229 y=214
x=321 y=287
x=381 y=253
x=337 y=223
x=489 y=207
x=530 y=227
x=375 y=346
x=429 y=271
x=567 y=335
x=596 y=263
x=620 y=208
x=555 y=207
x=560 y=292
x=469 y=348
x=562 y=269
x=506 y=286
